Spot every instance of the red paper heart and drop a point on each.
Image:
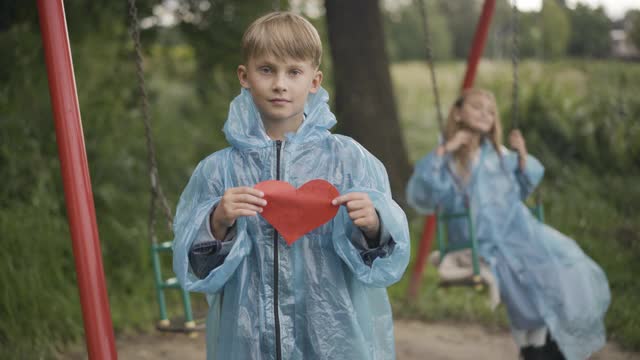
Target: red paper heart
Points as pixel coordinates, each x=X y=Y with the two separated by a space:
x=295 y=212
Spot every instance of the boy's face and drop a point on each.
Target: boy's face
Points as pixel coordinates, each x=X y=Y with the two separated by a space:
x=279 y=86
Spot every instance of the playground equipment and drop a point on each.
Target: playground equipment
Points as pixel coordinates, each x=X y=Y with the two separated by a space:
x=436 y=223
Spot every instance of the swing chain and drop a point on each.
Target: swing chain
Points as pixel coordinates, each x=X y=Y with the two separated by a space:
x=157 y=195
x=514 y=62
x=429 y=54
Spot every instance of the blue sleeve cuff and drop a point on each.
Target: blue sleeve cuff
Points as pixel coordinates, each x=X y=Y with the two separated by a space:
x=207 y=252
x=384 y=248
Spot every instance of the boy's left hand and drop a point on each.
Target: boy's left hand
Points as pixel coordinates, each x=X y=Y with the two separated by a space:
x=361 y=211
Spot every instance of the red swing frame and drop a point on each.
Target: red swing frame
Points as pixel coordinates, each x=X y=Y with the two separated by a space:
x=81 y=213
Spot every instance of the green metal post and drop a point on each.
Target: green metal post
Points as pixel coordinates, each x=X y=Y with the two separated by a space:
x=474 y=244
x=188 y=314
x=164 y=320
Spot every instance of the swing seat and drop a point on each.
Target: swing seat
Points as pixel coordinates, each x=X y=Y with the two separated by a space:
x=445 y=248
x=467 y=274
x=162 y=284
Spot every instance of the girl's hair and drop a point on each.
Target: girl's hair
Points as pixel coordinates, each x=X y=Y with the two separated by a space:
x=452 y=126
x=283 y=35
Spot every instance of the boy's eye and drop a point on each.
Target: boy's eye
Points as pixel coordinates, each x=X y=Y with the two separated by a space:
x=295 y=72
x=265 y=69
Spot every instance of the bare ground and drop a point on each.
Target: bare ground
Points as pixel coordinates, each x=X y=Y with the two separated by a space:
x=414 y=340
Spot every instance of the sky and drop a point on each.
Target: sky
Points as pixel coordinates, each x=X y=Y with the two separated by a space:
x=615 y=9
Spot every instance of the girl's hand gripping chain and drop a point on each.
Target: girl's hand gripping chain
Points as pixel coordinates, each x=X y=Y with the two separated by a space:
x=516 y=140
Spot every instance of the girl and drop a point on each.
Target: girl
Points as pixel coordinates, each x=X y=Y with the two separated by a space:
x=555 y=295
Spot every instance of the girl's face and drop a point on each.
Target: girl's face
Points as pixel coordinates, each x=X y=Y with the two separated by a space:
x=478 y=113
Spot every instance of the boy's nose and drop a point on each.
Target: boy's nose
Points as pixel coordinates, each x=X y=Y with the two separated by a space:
x=279 y=84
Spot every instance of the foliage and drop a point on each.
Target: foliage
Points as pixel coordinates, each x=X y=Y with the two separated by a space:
x=633 y=17
x=462 y=17
x=590 y=35
x=556 y=29
x=405 y=33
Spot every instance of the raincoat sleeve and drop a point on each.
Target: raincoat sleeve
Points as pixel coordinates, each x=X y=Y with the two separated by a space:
x=431 y=183
x=529 y=178
x=213 y=261
x=384 y=264
x=207 y=252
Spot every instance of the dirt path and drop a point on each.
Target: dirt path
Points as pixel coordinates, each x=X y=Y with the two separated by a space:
x=414 y=341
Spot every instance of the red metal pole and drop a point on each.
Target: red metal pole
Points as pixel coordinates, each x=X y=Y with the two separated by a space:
x=423 y=253
x=77 y=185
x=479 y=39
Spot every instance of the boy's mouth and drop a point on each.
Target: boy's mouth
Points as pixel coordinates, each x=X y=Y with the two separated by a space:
x=279 y=101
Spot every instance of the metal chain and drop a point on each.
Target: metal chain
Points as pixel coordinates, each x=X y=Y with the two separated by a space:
x=157 y=195
x=429 y=53
x=514 y=62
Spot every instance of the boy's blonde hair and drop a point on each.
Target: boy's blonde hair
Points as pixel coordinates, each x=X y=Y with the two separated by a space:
x=282 y=35
x=453 y=125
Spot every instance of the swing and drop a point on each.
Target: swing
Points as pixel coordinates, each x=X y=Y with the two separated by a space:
x=442 y=218
x=158 y=199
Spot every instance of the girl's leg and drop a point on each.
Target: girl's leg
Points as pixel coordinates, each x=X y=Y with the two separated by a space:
x=551 y=350
x=537 y=337
x=531 y=343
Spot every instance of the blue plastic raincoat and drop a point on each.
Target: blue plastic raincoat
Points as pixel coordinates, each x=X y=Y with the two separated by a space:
x=544 y=276
x=331 y=296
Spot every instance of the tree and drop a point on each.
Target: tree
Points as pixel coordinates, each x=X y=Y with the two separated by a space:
x=405 y=34
x=590 y=35
x=364 y=98
x=462 y=17
x=633 y=17
x=556 y=29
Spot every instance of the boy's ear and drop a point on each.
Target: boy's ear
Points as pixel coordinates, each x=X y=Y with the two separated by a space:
x=316 y=82
x=242 y=76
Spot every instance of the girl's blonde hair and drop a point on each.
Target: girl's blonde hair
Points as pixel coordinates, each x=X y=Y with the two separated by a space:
x=453 y=125
x=282 y=35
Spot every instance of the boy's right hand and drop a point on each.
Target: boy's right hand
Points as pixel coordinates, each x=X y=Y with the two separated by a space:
x=236 y=202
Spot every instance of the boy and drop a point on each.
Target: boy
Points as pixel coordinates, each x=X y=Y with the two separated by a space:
x=323 y=297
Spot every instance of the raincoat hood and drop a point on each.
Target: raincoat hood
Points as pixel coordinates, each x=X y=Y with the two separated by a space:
x=244 y=128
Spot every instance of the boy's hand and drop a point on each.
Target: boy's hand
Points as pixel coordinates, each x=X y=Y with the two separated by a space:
x=362 y=212
x=516 y=140
x=236 y=202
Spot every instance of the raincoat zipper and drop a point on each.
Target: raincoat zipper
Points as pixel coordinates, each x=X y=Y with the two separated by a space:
x=276 y=266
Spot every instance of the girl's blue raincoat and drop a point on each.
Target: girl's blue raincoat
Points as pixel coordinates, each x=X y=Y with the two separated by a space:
x=331 y=296
x=544 y=277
